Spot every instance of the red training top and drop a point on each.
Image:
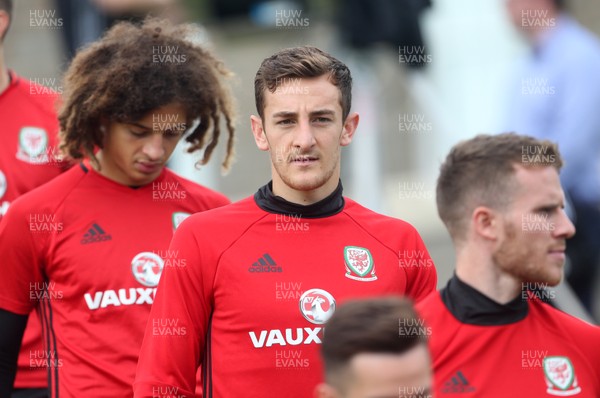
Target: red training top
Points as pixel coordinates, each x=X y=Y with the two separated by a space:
x=29 y=133
x=260 y=278
x=523 y=349
x=91 y=252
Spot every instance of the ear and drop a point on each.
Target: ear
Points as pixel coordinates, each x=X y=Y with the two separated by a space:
x=259 y=133
x=350 y=125
x=324 y=390
x=103 y=127
x=486 y=223
x=4 y=22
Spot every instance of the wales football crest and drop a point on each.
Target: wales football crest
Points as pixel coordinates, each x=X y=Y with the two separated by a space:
x=32 y=145
x=560 y=376
x=359 y=264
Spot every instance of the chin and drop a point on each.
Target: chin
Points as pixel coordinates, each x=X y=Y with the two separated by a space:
x=305 y=183
x=555 y=279
x=551 y=278
x=140 y=180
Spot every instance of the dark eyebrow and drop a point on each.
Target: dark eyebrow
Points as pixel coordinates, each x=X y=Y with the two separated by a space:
x=322 y=112
x=285 y=114
x=319 y=112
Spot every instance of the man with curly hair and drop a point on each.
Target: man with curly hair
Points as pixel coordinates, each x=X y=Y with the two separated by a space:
x=87 y=249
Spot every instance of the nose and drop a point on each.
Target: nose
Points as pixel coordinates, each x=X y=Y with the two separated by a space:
x=303 y=136
x=154 y=147
x=564 y=227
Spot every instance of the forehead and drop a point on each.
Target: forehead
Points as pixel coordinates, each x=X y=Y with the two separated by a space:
x=537 y=184
x=298 y=94
x=383 y=374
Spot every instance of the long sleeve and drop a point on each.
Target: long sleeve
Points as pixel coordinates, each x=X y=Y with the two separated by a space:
x=176 y=333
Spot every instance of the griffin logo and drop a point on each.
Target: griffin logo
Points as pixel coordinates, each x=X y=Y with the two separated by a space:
x=560 y=376
x=146 y=268
x=317 y=306
x=359 y=264
x=32 y=145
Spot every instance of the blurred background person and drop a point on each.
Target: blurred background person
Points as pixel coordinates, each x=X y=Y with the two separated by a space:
x=556 y=96
x=376 y=348
x=84 y=21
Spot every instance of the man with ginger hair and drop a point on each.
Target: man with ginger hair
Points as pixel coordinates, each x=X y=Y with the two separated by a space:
x=492 y=334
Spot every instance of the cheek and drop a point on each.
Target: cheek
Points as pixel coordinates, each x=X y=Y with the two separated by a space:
x=170 y=145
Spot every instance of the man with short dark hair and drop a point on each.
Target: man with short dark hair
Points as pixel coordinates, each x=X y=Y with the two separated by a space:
x=264 y=274
x=376 y=348
x=501 y=200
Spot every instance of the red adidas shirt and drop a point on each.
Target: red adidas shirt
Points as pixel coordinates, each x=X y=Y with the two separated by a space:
x=523 y=349
x=28 y=129
x=91 y=251
x=258 y=280
x=29 y=132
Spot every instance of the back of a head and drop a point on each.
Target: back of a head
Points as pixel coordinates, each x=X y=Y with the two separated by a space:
x=302 y=62
x=367 y=326
x=134 y=69
x=480 y=172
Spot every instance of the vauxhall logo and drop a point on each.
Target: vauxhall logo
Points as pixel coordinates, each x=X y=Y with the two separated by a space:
x=316 y=306
x=146 y=268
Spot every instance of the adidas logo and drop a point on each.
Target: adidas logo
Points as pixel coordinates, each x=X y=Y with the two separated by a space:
x=95 y=234
x=265 y=264
x=457 y=384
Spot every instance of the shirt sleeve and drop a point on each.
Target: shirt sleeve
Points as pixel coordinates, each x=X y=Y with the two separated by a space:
x=175 y=337
x=420 y=270
x=21 y=260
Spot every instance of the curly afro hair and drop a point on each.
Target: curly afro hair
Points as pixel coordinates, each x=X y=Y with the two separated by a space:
x=135 y=69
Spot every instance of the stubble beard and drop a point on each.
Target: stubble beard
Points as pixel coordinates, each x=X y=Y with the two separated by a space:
x=515 y=258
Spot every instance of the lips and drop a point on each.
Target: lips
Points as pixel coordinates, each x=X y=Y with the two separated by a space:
x=148 y=167
x=304 y=159
x=558 y=249
x=558 y=253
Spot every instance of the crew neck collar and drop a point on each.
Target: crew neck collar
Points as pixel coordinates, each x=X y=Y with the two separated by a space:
x=470 y=306
x=329 y=206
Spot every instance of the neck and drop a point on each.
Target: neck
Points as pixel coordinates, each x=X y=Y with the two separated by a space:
x=104 y=169
x=479 y=271
x=280 y=188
